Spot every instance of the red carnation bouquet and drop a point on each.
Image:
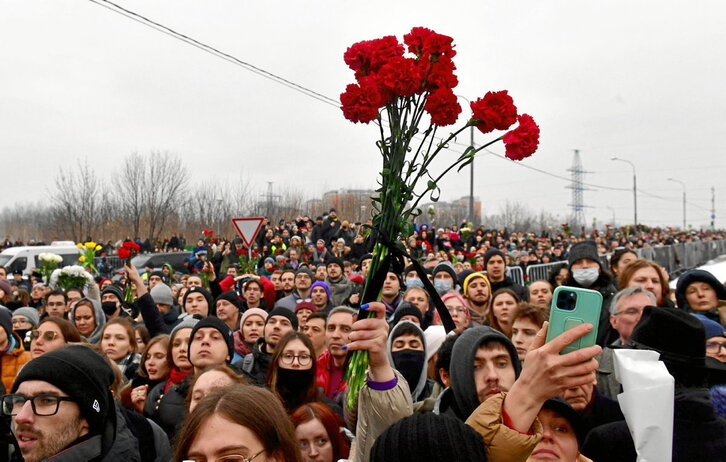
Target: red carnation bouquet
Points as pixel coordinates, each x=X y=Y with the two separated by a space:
x=407 y=90
x=127 y=251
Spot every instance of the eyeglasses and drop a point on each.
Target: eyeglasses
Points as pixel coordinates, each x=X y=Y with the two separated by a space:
x=303 y=359
x=43 y=405
x=229 y=458
x=48 y=335
x=16 y=322
x=715 y=347
x=629 y=312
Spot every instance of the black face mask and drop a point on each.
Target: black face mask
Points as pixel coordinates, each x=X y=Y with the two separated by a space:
x=293 y=384
x=294 y=379
x=109 y=307
x=410 y=364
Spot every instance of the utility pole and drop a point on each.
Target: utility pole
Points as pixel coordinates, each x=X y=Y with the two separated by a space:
x=713 y=208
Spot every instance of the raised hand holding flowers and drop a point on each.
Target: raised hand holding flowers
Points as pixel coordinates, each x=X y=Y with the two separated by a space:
x=401 y=93
x=48 y=263
x=88 y=254
x=70 y=276
x=126 y=252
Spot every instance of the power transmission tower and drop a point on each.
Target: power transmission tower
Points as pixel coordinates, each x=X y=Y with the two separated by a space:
x=269 y=196
x=578 y=203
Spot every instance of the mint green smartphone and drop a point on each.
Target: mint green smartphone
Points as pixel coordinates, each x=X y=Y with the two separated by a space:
x=572 y=306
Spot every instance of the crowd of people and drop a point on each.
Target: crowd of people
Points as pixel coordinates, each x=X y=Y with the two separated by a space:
x=220 y=363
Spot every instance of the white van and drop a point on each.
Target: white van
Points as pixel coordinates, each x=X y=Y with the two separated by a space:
x=26 y=258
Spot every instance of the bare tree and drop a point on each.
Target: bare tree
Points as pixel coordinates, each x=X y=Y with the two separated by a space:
x=130 y=186
x=166 y=183
x=75 y=201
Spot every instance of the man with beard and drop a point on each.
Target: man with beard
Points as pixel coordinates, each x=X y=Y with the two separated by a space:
x=477 y=292
x=61 y=402
x=303 y=280
x=483 y=363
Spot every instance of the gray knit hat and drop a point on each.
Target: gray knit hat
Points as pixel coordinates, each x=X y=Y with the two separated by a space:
x=161 y=293
x=30 y=313
x=188 y=320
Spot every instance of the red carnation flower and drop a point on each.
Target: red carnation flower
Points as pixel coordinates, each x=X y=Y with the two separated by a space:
x=440 y=73
x=439 y=45
x=416 y=38
x=422 y=41
x=360 y=103
x=368 y=56
x=443 y=107
x=402 y=76
x=495 y=111
x=128 y=249
x=522 y=142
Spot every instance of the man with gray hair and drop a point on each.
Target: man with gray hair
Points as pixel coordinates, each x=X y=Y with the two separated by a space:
x=625 y=311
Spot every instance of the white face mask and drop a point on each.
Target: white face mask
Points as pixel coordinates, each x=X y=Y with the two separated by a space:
x=442 y=286
x=586 y=276
x=413 y=282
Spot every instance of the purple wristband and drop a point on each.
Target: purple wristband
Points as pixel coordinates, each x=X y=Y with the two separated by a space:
x=381 y=386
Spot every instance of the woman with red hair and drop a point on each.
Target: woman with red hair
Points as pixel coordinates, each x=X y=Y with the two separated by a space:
x=319 y=434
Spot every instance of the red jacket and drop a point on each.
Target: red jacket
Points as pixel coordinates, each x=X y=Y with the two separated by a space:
x=325 y=369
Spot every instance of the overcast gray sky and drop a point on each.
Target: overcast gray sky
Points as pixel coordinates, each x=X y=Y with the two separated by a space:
x=634 y=79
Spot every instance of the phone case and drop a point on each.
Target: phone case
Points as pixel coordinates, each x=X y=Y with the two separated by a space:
x=586 y=310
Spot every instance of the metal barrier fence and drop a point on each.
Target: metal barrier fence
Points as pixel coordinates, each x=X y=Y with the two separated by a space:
x=675 y=258
x=542 y=271
x=112 y=263
x=516 y=273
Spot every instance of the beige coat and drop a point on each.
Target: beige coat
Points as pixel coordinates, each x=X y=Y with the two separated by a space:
x=505 y=444
x=378 y=410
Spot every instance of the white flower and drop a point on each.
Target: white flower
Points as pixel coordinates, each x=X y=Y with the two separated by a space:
x=50 y=257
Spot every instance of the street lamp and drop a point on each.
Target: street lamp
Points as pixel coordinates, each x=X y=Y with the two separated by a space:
x=635 y=189
x=471 y=170
x=684 y=199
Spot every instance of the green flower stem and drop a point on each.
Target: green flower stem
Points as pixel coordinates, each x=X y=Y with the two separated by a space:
x=358 y=364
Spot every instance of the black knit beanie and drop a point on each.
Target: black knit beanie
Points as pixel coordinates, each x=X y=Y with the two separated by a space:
x=207 y=295
x=215 y=323
x=281 y=311
x=491 y=252
x=335 y=261
x=115 y=290
x=406 y=309
x=83 y=375
x=446 y=267
x=428 y=436
x=584 y=249
x=231 y=297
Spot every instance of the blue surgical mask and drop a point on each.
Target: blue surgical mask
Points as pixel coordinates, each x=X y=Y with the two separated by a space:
x=442 y=286
x=413 y=282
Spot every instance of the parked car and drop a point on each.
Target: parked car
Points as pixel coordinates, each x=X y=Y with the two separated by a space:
x=157 y=260
x=25 y=258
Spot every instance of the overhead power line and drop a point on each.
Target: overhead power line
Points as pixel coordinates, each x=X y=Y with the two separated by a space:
x=214 y=51
x=118 y=9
